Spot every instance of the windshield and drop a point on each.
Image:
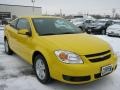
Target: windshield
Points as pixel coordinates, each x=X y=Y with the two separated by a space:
x=101 y=22
x=54 y=26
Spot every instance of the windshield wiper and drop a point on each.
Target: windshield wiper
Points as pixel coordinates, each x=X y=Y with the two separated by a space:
x=49 y=34
x=59 y=33
x=69 y=32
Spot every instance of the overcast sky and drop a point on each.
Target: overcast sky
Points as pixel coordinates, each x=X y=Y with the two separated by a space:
x=71 y=6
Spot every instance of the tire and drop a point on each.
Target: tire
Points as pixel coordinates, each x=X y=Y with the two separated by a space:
x=7 y=48
x=81 y=28
x=41 y=69
x=103 y=32
x=89 y=31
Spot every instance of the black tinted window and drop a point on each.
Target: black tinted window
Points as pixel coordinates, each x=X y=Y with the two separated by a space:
x=23 y=24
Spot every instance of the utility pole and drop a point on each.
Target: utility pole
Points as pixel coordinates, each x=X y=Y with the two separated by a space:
x=33 y=7
x=61 y=12
x=46 y=12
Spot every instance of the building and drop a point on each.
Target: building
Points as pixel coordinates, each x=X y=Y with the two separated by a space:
x=11 y=11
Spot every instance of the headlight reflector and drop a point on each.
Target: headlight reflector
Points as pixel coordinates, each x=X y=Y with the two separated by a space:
x=68 y=57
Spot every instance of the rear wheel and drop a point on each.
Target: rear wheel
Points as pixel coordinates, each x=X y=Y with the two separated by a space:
x=7 y=48
x=41 y=69
x=103 y=32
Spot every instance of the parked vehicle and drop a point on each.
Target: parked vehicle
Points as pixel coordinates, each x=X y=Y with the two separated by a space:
x=99 y=26
x=4 y=21
x=116 y=22
x=0 y=22
x=59 y=50
x=82 y=23
x=78 y=22
x=113 y=30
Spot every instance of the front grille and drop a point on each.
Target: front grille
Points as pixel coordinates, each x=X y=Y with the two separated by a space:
x=115 y=67
x=97 y=75
x=97 y=57
x=97 y=54
x=100 y=58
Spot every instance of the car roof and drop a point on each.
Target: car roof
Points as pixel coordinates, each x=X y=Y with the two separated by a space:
x=39 y=17
x=103 y=19
x=30 y=17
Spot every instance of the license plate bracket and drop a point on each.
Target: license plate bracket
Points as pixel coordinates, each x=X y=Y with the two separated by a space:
x=106 y=70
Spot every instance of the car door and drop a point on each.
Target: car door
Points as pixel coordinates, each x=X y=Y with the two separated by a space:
x=11 y=33
x=24 y=42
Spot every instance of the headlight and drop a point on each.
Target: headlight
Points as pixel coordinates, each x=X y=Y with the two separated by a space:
x=68 y=57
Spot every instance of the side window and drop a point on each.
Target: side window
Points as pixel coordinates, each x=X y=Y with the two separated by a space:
x=14 y=23
x=87 y=21
x=23 y=24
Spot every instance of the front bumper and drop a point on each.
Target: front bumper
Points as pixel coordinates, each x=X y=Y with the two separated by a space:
x=95 y=30
x=113 y=34
x=81 y=73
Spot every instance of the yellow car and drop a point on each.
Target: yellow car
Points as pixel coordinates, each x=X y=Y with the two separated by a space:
x=59 y=50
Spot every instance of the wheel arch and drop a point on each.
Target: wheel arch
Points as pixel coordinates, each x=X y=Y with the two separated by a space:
x=35 y=53
x=5 y=37
x=46 y=64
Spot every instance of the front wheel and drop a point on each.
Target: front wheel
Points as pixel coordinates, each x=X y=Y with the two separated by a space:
x=7 y=48
x=41 y=69
x=89 y=31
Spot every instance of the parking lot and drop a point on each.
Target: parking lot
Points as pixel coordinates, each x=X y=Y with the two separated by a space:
x=15 y=74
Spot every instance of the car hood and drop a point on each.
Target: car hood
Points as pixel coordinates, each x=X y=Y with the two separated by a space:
x=115 y=26
x=78 y=23
x=79 y=43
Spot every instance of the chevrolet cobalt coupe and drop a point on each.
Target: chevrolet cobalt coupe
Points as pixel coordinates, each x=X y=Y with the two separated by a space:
x=59 y=50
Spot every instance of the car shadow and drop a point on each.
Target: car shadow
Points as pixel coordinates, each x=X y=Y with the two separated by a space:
x=100 y=84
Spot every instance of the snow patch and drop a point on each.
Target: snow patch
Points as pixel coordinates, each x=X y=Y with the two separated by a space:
x=1 y=36
x=16 y=74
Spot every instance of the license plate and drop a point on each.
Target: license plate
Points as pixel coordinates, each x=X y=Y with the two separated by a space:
x=106 y=70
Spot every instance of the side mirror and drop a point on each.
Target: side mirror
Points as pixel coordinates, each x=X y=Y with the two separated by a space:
x=24 y=32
